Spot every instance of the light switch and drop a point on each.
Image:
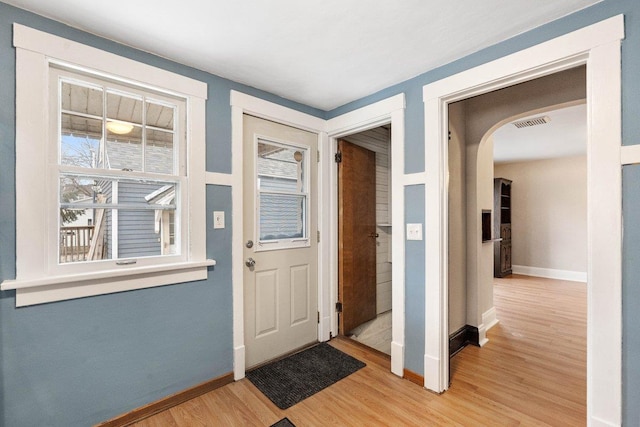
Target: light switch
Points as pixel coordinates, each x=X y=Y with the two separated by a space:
x=218 y=219
x=414 y=231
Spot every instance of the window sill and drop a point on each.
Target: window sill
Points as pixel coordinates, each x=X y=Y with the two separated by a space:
x=59 y=288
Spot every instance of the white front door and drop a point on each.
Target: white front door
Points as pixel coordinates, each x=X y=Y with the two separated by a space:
x=280 y=243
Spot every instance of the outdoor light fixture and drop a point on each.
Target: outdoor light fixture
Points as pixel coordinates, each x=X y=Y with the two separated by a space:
x=119 y=127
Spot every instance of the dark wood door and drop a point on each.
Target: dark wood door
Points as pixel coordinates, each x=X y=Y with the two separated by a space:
x=356 y=235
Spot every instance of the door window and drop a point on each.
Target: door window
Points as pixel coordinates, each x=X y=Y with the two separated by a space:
x=282 y=195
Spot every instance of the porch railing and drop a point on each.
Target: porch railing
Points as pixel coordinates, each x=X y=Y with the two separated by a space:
x=75 y=243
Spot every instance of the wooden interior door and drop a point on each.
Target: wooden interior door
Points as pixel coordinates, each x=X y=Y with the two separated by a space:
x=356 y=235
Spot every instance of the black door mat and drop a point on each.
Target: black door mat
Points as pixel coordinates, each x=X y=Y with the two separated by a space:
x=292 y=379
x=283 y=423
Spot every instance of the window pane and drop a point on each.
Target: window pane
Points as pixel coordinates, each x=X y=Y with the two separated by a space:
x=124 y=151
x=159 y=152
x=160 y=116
x=78 y=218
x=121 y=218
x=81 y=99
x=124 y=108
x=144 y=229
x=124 y=132
x=80 y=141
x=282 y=216
x=281 y=162
x=271 y=183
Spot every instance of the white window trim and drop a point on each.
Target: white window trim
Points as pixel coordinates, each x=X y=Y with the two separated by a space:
x=35 y=52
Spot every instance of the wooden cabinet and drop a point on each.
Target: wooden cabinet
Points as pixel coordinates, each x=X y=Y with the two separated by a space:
x=502 y=227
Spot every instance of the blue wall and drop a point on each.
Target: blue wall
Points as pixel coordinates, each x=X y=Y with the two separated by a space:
x=79 y=362
x=415 y=273
x=631 y=294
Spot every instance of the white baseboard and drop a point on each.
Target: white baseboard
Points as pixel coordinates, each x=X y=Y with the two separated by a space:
x=324 y=329
x=397 y=359
x=599 y=422
x=431 y=382
x=550 y=273
x=238 y=363
x=482 y=336
x=489 y=320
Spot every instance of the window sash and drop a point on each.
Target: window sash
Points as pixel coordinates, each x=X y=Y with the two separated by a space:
x=178 y=177
x=60 y=74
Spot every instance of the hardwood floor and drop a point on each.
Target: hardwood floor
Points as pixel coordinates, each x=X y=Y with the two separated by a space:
x=532 y=372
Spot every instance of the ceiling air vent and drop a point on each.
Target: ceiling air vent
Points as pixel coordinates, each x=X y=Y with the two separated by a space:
x=535 y=121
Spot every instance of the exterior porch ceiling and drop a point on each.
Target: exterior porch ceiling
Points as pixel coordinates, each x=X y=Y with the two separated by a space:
x=320 y=53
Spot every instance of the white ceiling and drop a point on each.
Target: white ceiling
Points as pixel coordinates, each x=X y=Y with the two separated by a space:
x=565 y=135
x=322 y=53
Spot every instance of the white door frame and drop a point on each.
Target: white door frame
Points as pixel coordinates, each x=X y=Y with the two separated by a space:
x=387 y=111
x=597 y=46
x=240 y=104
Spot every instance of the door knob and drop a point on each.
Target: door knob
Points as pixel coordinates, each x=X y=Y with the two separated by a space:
x=374 y=235
x=250 y=262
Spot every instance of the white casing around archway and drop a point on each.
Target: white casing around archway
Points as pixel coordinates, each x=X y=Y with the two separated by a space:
x=597 y=46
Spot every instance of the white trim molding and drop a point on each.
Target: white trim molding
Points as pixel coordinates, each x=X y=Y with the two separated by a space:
x=597 y=46
x=550 y=273
x=245 y=104
x=216 y=178
x=387 y=111
x=630 y=155
x=40 y=277
x=72 y=52
x=418 y=178
x=278 y=113
x=365 y=118
x=489 y=320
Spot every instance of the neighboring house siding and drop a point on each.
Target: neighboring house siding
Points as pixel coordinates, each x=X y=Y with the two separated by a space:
x=280 y=216
x=136 y=234
x=136 y=228
x=128 y=155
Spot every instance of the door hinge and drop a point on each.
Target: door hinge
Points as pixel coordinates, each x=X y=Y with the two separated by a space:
x=318 y=155
x=318 y=236
x=338 y=157
x=339 y=307
x=318 y=317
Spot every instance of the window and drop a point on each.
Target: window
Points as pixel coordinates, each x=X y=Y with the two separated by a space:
x=109 y=172
x=120 y=165
x=283 y=197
